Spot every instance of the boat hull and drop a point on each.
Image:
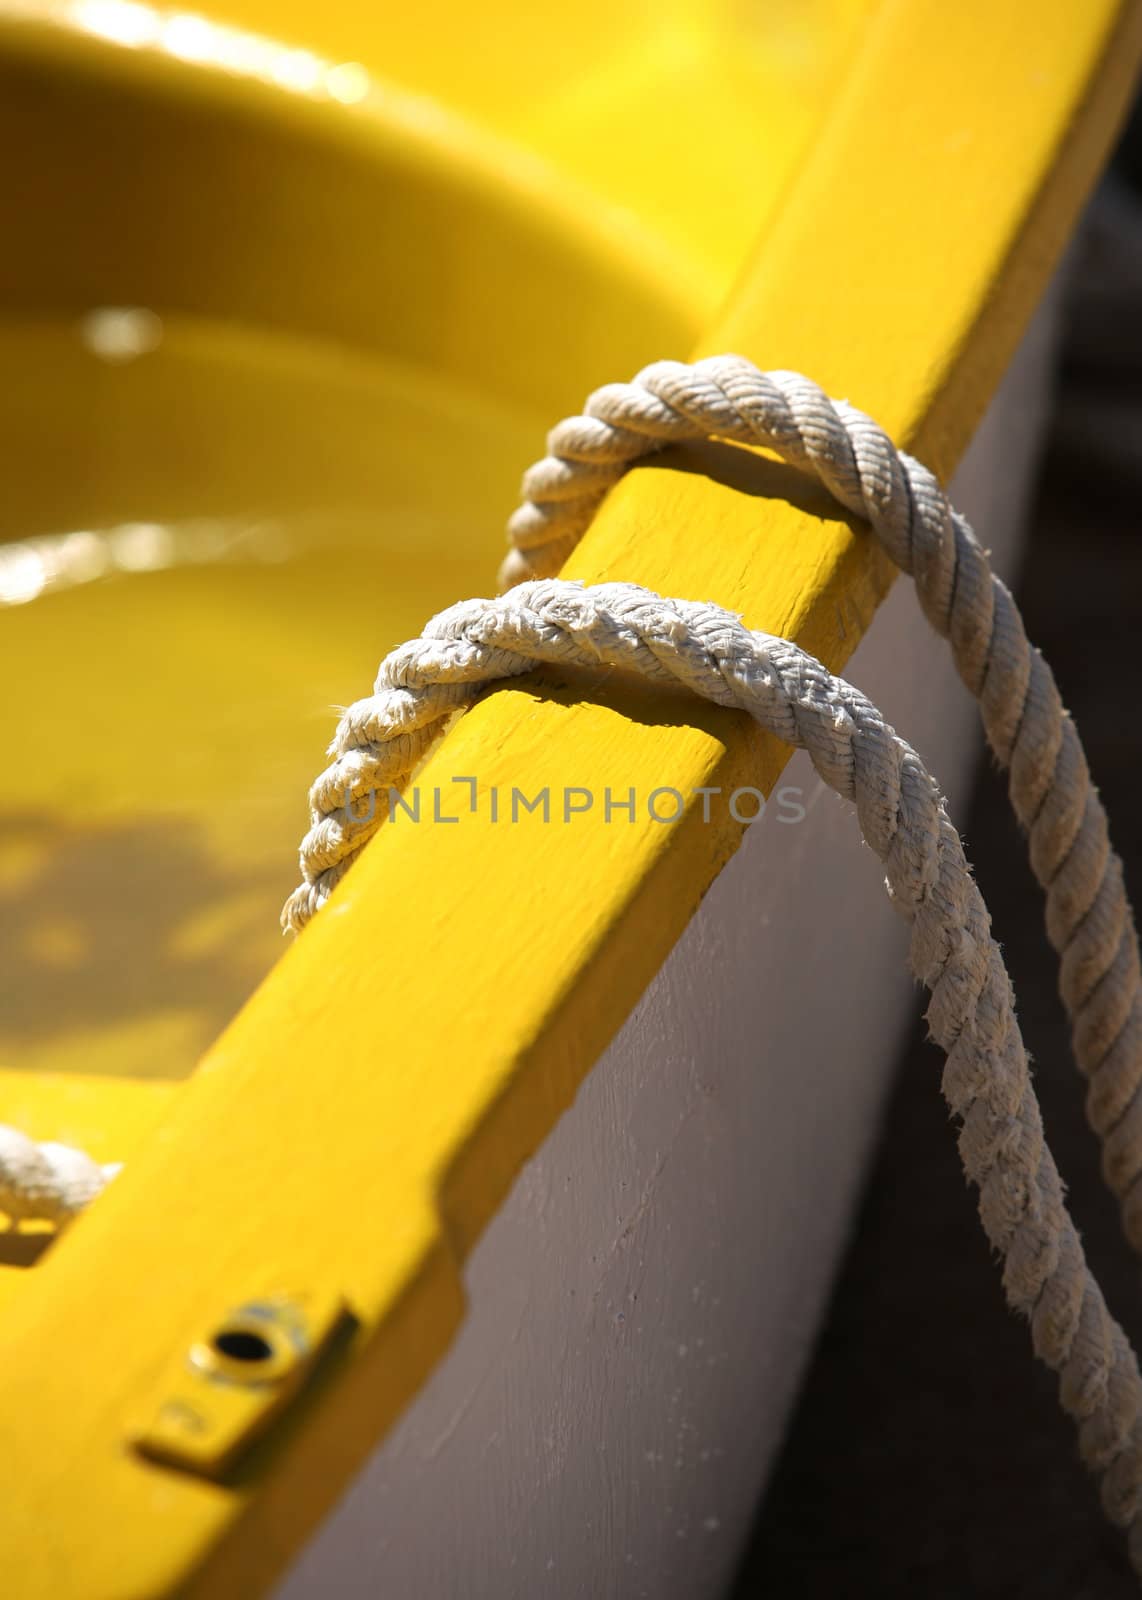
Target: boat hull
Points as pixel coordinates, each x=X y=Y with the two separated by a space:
x=643 y=1306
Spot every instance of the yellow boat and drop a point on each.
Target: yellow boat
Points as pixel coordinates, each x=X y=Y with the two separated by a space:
x=473 y=1244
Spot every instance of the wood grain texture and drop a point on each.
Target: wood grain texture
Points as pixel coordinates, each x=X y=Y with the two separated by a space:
x=364 y=1115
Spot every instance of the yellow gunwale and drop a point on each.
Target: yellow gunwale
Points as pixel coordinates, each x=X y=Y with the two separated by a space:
x=360 y=1121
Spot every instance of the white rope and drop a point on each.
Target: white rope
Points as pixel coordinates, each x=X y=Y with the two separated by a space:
x=382 y=739
x=48 y=1182
x=1088 y=916
x=707 y=650
x=1089 y=920
x=986 y=1081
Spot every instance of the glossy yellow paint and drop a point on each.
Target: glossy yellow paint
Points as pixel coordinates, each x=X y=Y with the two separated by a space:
x=628 y=101
x=138 y=909
x=360 y=1120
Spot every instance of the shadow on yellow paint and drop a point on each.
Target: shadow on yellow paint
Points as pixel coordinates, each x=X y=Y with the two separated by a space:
x=758 y=474
x=22 y=1244
x=119 y=922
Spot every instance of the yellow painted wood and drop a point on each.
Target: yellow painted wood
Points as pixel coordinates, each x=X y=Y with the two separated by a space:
x=109 y=1119
x=363 y=1116
x=228 y=1385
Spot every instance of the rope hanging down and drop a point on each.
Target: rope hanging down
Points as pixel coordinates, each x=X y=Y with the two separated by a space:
x=986 y=1079
x=1088 y=917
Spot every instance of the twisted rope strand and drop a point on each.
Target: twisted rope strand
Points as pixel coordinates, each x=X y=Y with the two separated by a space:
x=986 y=1080
x=1089 y=920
